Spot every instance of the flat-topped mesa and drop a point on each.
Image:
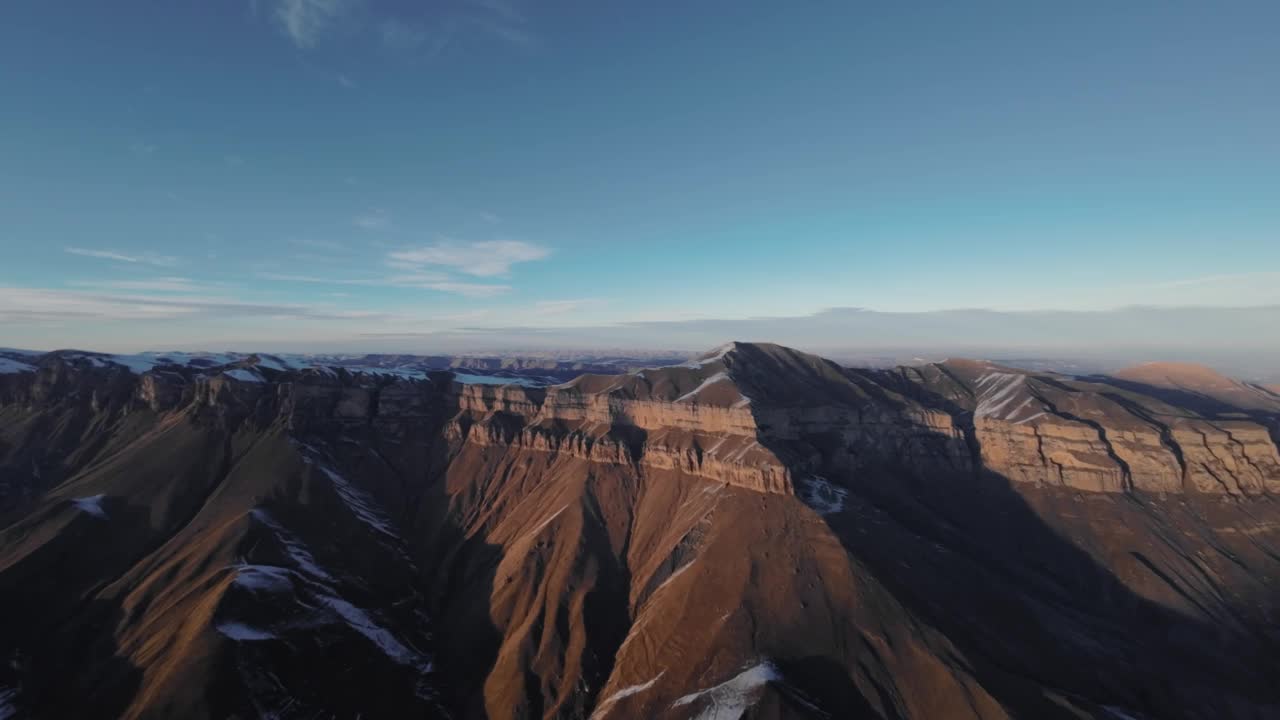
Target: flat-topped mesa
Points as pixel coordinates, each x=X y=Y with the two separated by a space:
x=691 y=418
x=1197 y=386
x=749 y=414
x=1104 y=434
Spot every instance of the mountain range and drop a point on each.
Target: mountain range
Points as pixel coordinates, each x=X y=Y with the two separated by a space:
x=756 y=533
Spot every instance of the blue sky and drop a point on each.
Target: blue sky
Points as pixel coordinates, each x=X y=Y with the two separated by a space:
x=294 y=172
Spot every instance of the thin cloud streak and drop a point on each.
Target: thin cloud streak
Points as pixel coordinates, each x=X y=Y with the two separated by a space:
x=144 y=258
x=482 y=259
x=439 y=282
x=164 y=284
x=427 y=31
x=375 y=220
x=1270 y=276
x=304 y=21
x=44 y=304
x=564 y=307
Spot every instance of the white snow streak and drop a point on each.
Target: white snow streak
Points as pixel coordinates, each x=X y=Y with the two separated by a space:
x=998 y=389
x=713 y=356
x=534 y=532
x=625 y=692
x=360 y=621
x=712 y=380
x=275 y=362
x=264 y=578
x=297 y=551
x=319 y=582
x=818 y=493
x=361 y=503
x=468 y=379
x=242 y=632
x=674 y=575
x=13 y=366
x=91 y=505
x=730 y=699
x=7 y=710
x=244 y=375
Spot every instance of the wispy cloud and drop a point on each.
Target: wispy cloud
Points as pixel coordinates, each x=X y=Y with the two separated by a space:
x=440 y=282
x=318 y=244
x=142 y=148
x=1219 y=279
x=488 y=258
x=504 y=20
x=304 y=21
x=163 y=284
x=314 y=279
x=143 y=258
x=563 y=307
x=427 y=29
x=402 y=36
x=373 y=220
x=44 y=305
x=466 y=289
x=346 y=81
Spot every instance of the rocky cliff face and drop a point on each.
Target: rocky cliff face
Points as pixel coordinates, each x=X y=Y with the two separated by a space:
x=755 y=533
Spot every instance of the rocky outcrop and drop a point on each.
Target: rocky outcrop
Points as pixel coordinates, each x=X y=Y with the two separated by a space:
x=748 y=415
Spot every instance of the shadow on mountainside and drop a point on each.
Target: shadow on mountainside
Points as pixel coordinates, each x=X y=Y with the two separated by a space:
x=1041 y=625
x=459 y=583
x=1206 y=405
x=58 y=642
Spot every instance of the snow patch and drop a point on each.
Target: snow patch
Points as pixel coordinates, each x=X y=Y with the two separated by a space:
x=730 y=699
x=138 y=364
x=263 y=578
x=403 y=373
x=8 y=365
x=712 y=380
x=294 y=547
x=361 y=503
x=241 y=632
x=534 y=532
x=713 y=356
x=320 y=584
x=91 y=505
x=625 y=692
x=275 y=362
x=361 y=622
x=998 y=389
x=820 y=494
x=674 y=575
x=244 y=375
x=468 y=379
x=7 y=710
x=738 y=455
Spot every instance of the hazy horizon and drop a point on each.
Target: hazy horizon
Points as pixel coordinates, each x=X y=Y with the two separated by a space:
x=1232 y=340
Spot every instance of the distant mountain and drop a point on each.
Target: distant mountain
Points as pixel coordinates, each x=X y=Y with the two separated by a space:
x=1233 y=340
x=754 y=533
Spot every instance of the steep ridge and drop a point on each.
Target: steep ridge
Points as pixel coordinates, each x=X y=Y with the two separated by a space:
x=754 y=533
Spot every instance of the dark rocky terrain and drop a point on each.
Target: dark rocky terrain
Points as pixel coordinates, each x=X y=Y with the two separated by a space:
x=760 y=533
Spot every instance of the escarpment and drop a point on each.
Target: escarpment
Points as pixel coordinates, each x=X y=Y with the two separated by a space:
x=757 y=532
x=733 y=415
